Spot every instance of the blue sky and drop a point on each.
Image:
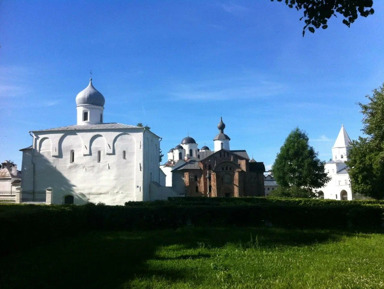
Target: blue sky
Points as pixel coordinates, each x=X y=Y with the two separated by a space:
x=177 y=66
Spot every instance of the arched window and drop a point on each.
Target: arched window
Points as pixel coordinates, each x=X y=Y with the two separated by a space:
x=190 y=152
x=85 y=116
x=72 y=156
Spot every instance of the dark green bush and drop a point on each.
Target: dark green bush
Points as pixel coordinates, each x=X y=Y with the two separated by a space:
x=22 y=226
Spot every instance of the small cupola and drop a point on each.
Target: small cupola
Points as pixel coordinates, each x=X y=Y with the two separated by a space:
x=90 y=105
x=221 y=141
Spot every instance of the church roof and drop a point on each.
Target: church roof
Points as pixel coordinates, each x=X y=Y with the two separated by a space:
x=191 y=165
x=188 y=140
x=99 y=126
x=221 y=136
x=343 y=139
x=90 y=95
x=241 y=153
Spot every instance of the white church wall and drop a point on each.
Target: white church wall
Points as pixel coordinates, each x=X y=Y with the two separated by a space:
x=76 y=171
x=94 y=114
x=151 y=163
x=168 y=175
x=5 y=186
x=190 y=148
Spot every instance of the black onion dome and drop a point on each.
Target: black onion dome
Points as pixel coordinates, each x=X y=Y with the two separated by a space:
x=205 y=148
x=188 y=140
x=221 y=125
x=221 y=135
x=178 y=147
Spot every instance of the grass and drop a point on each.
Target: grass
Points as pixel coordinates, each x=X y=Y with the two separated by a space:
x=201 y=258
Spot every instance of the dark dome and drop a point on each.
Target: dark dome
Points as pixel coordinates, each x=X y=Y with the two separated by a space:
x=188 y=140
x=171 y=150
x=205 y=148
x=178 y=147
x=221 y=125
x=90 y=95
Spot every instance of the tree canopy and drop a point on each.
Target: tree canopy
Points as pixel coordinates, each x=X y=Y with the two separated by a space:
x=366 y=157
x=297 y=165
x=318 y=12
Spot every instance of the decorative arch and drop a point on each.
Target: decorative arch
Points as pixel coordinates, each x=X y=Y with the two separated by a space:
x=124 y=142
x=95 y=139
x=344 y=195
x=65 y=145
x=45 y=146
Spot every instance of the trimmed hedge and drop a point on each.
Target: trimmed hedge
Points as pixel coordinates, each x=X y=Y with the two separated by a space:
x=22 y=226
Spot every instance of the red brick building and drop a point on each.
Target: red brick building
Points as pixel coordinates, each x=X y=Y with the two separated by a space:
x=222 y=173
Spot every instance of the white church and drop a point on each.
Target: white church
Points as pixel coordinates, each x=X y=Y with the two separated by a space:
x=92 y=161
x=339 y=187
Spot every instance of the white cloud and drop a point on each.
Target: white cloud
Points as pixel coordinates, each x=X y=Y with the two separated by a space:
x=12 y=79
x=246 y=87
x=233 y=8
x=322 y=138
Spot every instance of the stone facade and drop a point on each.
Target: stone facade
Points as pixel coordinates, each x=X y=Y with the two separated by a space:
x=219 y=173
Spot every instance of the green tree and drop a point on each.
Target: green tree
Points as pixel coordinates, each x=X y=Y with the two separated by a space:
x=297 y=165
x=316 y=13
x=366 y=156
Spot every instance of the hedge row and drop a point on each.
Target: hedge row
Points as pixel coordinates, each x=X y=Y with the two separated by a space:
x=23 y=226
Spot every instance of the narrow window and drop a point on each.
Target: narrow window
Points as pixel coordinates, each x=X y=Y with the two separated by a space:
x=72 y=156
x=342 y=156
x=222 y=145
x=124 y=155
x=195 y=178
x=101 y=118
x=180 y=156
x=85 y=116
x=197 y=189
x=98 y=156
x=190 y=152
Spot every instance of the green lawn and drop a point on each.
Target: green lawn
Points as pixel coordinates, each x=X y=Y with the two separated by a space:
x=201 y=258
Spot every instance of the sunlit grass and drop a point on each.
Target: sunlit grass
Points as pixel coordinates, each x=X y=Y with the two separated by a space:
x=202 y=258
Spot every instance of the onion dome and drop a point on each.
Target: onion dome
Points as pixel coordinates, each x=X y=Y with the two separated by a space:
x=205 y=148
x=221 y=125
x=178 y=147
x=188 y=140
x=171 y=150
x=90 y=95
x=221 y=135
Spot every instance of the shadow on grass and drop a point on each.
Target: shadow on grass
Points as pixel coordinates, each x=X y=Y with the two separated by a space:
x=110 y=259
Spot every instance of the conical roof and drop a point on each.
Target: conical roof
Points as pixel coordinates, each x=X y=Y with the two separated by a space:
x=343 y=139
x=90 y=95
